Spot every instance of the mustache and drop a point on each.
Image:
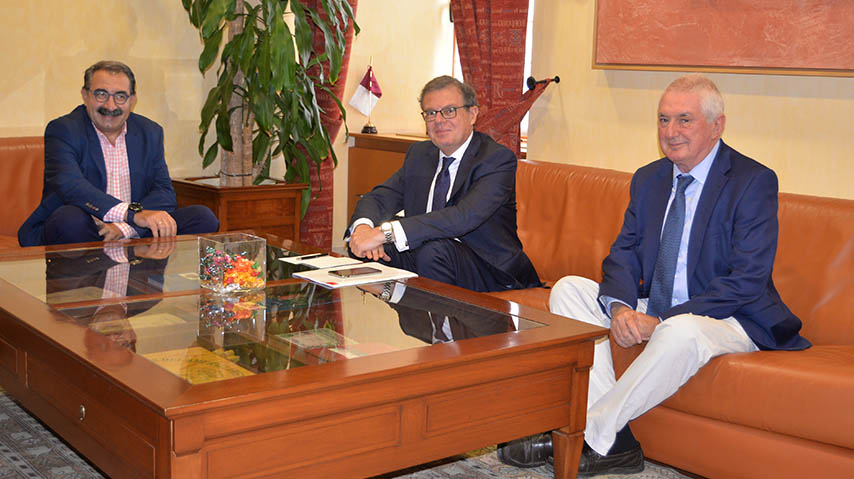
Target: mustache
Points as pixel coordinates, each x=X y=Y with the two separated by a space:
x=107 y=112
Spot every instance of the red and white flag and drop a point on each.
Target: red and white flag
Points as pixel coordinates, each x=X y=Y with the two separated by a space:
x=367 y=93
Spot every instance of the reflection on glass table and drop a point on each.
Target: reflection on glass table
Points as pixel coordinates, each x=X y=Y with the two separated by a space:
x=203 y=337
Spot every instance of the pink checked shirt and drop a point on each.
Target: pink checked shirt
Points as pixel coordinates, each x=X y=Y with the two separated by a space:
x=118 y=179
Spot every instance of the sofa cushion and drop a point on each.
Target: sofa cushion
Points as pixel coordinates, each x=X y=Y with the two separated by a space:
x=798 y=393
x=22 y=161
x=566 y=209
x=814 y=265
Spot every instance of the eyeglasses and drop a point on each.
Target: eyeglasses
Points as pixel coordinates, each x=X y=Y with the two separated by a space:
x=101 y=96
x=447 y=113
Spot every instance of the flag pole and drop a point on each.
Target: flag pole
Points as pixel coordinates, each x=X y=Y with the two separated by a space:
x=369 y=127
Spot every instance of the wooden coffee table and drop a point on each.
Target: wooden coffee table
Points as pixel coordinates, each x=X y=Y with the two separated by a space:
x=155 y=378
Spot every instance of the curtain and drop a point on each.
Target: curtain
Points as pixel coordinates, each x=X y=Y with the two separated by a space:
x=491 y=40
x=316 y=226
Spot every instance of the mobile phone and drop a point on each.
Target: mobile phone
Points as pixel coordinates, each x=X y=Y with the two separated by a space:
x=353 y=272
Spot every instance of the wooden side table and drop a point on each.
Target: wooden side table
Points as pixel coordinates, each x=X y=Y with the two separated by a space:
x=273 y=208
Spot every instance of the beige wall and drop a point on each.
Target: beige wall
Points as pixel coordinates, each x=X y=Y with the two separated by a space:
x=799 y=126
x=48 y=45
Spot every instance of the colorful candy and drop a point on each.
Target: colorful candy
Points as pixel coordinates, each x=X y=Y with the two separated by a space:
x=224 y=272
x=218 y=311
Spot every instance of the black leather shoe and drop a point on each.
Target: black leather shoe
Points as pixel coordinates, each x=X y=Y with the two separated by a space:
x=531 y=451
x=593 y=464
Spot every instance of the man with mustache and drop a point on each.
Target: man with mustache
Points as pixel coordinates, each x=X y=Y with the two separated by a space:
x=105 y=175
x=458 y=194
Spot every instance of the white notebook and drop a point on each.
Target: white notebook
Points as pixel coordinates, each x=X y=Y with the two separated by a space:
x=327 y=278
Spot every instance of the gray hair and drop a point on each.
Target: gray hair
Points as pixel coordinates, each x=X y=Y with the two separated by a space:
x=444 y=81
x=112 y=67
x=711 y=101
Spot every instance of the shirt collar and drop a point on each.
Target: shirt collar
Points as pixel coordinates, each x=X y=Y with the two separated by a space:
x=104 y=138
x=701 y=171
x=457 y=155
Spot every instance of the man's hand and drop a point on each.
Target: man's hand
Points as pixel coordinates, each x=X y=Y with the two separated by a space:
x=157 y=249
x=367 y=242
x=109 y=231
x=159 y=222
x=630 y=327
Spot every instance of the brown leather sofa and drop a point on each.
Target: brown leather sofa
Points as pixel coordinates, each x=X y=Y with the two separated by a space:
x=21 y=178
x=755 y=415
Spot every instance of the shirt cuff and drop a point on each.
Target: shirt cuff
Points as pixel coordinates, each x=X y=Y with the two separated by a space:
x=607 y=301
x=400 y=241
x=117 y=213
x=360 y=221
x=127 y=230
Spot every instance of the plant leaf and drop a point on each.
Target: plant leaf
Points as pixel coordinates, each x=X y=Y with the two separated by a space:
x=302 y=32
x=208 y=55
x=260 y=148
x=282 y=58
x=214 y=17
x=210 y=156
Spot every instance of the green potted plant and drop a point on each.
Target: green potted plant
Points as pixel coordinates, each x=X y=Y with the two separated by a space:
x=265 y=101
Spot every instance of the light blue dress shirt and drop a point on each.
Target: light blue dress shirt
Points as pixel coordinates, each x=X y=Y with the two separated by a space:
x=692 y=197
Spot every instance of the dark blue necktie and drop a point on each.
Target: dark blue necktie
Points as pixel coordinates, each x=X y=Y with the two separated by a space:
x=443 y=183
x=661 y=290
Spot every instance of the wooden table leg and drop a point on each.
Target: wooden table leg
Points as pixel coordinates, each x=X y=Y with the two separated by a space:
x=567 y=452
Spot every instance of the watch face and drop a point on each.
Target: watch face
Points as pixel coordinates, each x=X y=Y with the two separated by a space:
x=135 y=207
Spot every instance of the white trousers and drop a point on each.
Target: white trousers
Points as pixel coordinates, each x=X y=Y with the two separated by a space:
x=678 y=348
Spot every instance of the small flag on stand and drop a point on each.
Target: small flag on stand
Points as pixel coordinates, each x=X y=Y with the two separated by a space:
x=365 y=98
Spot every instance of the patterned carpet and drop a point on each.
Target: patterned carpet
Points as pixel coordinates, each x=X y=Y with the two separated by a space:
x=28 y=450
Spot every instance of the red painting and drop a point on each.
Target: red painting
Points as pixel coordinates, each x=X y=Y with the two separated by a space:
x=730 y=34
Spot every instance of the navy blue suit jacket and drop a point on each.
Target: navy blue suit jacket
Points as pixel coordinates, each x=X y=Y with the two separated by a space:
x=481 y=211
x=75 y=172
x=731 y=249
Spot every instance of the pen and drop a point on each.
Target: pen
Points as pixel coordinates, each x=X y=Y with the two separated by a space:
x=308 y=256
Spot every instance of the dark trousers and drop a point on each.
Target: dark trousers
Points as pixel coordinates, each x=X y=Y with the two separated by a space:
x=70 y=224
x=451 y=262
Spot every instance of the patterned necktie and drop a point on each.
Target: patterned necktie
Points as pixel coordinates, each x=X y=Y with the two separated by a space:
x=443 y=183
x=661 y=290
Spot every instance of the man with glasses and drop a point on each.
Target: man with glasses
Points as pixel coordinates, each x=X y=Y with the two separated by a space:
x=689 y=277
x=105 y=174
x=458 y=197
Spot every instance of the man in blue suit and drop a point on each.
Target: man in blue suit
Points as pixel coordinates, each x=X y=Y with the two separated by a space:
x=458 y=194
x=689 y=273
x=105 y=175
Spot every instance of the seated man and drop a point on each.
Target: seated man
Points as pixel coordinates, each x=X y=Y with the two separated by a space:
x=689 y=273
x=105 y=176
x=458 y=193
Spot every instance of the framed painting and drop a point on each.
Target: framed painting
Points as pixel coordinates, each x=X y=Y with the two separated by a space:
x=790 y=37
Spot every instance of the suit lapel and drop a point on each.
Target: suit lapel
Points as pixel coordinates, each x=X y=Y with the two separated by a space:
x=426 y=168
x=466 y=165
x=96 y=156
x=705 y=206
x=133 y=143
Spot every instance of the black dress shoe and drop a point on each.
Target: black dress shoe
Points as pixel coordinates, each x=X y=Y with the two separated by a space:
x=531 y=451
x=593 y=464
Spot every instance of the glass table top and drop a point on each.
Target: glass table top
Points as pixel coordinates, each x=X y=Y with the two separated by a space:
x=146 y=301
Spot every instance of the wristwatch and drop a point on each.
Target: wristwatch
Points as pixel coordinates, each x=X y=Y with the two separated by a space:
x=385 y=294
x=133 y=209
x=388 y=231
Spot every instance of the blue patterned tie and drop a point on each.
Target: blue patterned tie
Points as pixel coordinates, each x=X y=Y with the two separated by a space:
x=443 y=182
x=661 y=290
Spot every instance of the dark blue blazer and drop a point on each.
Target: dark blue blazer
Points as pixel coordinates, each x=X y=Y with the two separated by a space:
x=75 y=172
x=731 y=248
x=481 y=211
